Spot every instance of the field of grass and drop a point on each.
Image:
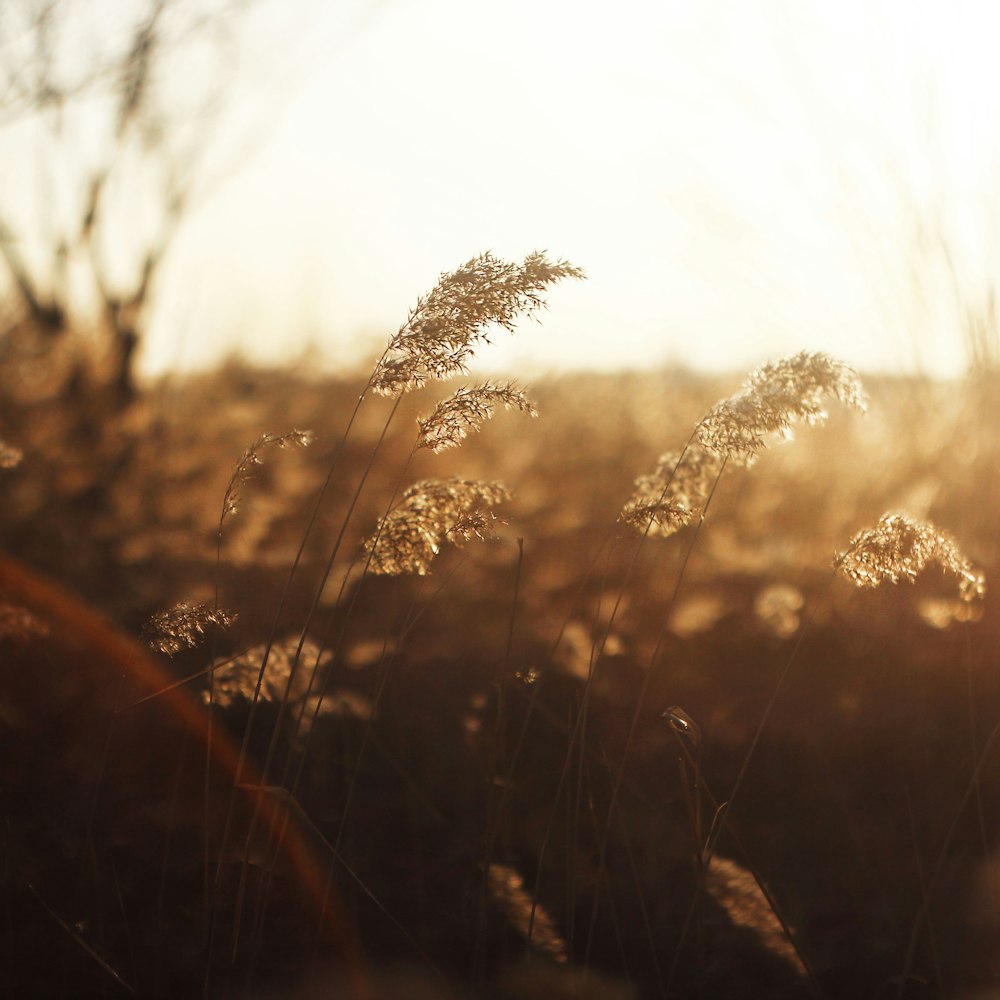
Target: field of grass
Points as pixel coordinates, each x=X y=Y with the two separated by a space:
x=575 y=759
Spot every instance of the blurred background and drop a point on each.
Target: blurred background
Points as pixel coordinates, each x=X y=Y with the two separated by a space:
x=740 y=182
x=213 y=214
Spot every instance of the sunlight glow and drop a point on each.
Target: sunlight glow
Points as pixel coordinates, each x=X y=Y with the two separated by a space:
x=739 y=181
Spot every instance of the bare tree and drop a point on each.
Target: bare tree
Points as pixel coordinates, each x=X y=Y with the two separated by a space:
x=114 y=121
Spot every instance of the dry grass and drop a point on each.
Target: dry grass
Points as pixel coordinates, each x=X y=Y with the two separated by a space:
x=471 y=743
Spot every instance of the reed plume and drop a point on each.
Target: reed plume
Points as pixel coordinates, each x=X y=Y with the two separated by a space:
x=238 y=678
x=773 y=400
x=431 y=512
x=251 y=457
x=459 y=415
x=442 y=330
x=531 y=920
x=9 y=455
x=899 y=548
x=737 y=891
x=675 y=493
x=182 y=626
x=18 y=624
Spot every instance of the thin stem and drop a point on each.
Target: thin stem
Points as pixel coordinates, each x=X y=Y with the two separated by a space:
x=637 y=713
x=923 y=913
x=272 y=745
x=493 y=772
x=713 y=839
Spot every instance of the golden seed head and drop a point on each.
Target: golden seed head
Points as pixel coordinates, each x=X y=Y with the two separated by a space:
x=464 y=412
x=899 y=548
x=432 y=512
x=442 y=330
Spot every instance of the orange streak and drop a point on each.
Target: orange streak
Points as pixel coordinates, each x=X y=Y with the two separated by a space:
x=65 y=613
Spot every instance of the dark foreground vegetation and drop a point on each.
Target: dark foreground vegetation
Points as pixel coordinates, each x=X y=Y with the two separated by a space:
x=536 y=740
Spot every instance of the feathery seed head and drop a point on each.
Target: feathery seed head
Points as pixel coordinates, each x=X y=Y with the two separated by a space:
x=251 y=457
x=464 y=412
x=899 y=548
x=9 y=456
x=675 y=493
x=528 y=917
x=441 y=331
x=432 y=512
x=183 y=625
x=773 y=399
x=738 y=892
x=19 y=624
x=238 y=678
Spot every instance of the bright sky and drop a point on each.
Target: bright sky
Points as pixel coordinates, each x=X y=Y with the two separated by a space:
x=740 y=181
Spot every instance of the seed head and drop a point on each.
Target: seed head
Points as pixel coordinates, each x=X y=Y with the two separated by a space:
x=432 y=512
x=238 y=678
x=252 y=457
x=738 y=892
x=9 y=456
x=506 y=890
x=442 y=330
x=183 y=625
x=899 y=548
x=675 y=493
x=464 y=412
x=775 y=398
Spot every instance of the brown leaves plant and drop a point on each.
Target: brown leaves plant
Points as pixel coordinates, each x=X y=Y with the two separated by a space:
x=439 y=335
x=465 y=411
x=899 y=548
x=431 y=512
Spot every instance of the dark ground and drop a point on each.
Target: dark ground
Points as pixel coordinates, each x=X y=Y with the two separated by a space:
x=858 y=807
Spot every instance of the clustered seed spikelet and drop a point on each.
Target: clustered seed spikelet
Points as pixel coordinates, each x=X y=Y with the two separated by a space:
x=899 y=548
x=9 y=456
x=18 y=624
x=774 y=398
x=431 y=512
x=736 y=890
x=251 y=457
x=458 y=415
x=675 y=493
x=183 y=625
x=506 y=890
x=441 y=331
x=238 y=677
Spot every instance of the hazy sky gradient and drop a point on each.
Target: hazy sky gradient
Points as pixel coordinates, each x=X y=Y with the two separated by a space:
x=739 y=180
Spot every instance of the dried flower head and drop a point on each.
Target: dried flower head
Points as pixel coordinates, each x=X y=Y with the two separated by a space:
x=899 y=548
x=251 y=457
x=675 y=493
x=775 y=398
x=739 y=894
x=530 y=920
x=432 y=512
x=441 y=331
x=9 y=456
x=458 y=415
x=18 y=624
x=183 y=625
x=238 y=678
